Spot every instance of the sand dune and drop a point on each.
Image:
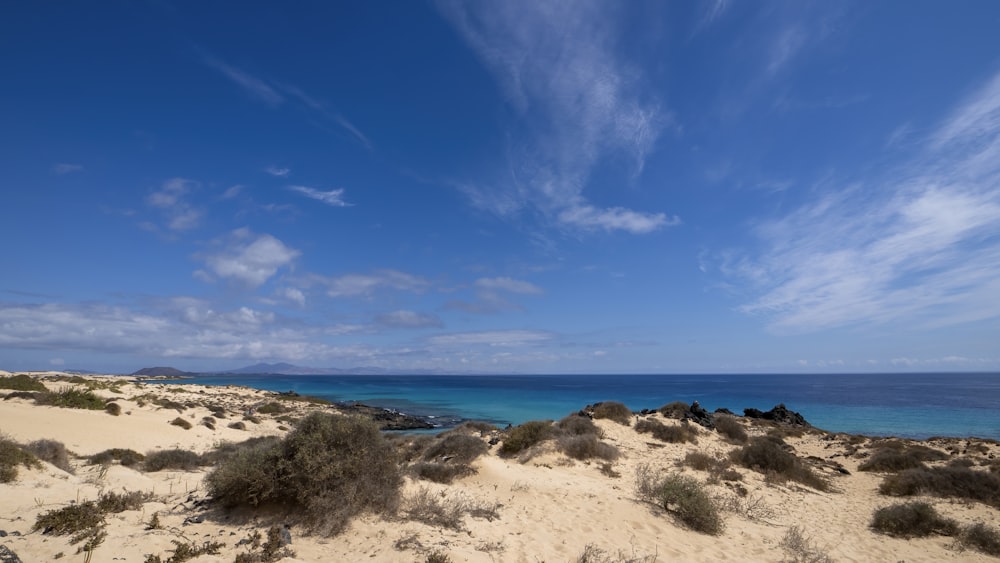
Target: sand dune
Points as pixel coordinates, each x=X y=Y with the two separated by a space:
x=548 y=508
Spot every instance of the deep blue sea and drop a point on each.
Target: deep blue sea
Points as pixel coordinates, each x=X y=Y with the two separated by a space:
x=906 y=405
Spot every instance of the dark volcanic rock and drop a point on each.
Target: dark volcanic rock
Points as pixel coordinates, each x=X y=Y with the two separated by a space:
x=699 y=415
x=385 y=418
x=779 y=414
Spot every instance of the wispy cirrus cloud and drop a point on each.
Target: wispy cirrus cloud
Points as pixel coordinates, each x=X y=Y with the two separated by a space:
x=278 y=172
x=492 y=338
x=492 y=295
x=171 y=199
x=580 y=105
x=365 y=285
x=922 y=246
x=275 y=94
x=64 y=168
x=408 y=319
x=248 y=258
x=333 y=198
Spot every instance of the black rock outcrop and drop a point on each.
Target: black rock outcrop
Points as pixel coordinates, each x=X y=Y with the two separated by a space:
x=779 y=414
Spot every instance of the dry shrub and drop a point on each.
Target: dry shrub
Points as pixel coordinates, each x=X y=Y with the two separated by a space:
x=675 y=409
x=273 y=407
x=672 y=434
x=578 y=425
x=440 y=472
x=593 y=554
x=895 y=459
x=11 y=456
x=172 y=460
x=274 y=549
x=730 y=427
x=51 y=451
x=683 y=496
x=613 y=410
x=84 y=520
x=237 y=425
x=981 y=537
x=226 y=450
x=125 y=457
x=456 y=447
x=181 y=422
x=525 y=435
x=327 y=470
x=801 y=549
x=947 y=482
x=587 y=446
x=911 y=520
x=767 y=455
x=474 y=426
x=438 y=509
x=113 y=503
x=410 y=447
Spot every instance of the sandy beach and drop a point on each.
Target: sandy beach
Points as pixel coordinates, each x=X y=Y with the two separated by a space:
x=539 y=505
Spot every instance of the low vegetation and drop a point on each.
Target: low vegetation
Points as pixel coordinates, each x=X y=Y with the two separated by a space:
x=683 y=496
x=675 y=409
x=22 y=382
x=12 y=455
x=767 y=455
x=123 y=456
x=440 y=510
x=670 y=433
x=172 y=460
x=51 y=451
x=273 y=549
x=523 y=436
x=980 y=537
x=449 y=456
x=946 y=482
x=587 y=446
x=801 y=548
x=327 y=470
x=181 y=423
x=911 y=520
x=719 y=469
x=187 y=551
x=613 y=410
x=578 y=425
x=899 y=457
x=730 y=427
x=85 y=521
x=71 y=399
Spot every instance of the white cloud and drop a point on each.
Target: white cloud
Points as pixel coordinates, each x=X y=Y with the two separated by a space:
x=250 y=84
x=278 y=172
x=408 y=319
x=251 y=259
x=232 y=191
x=294 y=295
x=922 y=246
x=64 y=168
x=333 y=198
x=786 y=44
x=508 y=284
x=491 y=338
x=365 y=285
x=616 y=218
x=170 y=199
x=581 y=105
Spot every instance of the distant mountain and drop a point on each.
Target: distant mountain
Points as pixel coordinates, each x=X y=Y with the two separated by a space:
x=161 y=371
x=283 y=368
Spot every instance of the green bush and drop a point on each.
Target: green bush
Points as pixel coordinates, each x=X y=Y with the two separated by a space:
x=113 y=503
x=172 y=460
x=71 y=399
x=525 y=435
x=981 y=537
x=226 y=450
x=946 y=482
x=52 y=452
x=328 y=469
x=672 y=434
x=124 y=456
x=730 y=427
x=767 y=455
x=273 y=407
x=683 y=496
x=11 y=456
x=911 y=520
x=22 y=382
x=84 y=520
x=613 y=410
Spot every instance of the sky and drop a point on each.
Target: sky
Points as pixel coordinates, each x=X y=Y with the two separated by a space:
x=522 y=186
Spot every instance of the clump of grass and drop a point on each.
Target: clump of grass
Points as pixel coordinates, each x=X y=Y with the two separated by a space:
x=71 y=399
x=675 y=409
x=270 y=551
x=22 y=382
x=730 y=427
x=719 y=469
x=613 y=410
x=587 y=446
x=437 y=557
x=524 y=436
x=895 y=459
x=767 y=455
x=114 y=409
x=911 y=520
x=13 y=455
x=440 y=472
x=672 y=434
x=208 y=422
x=239 y=425
x=125 y=457
x=251 y=418
x=172 y=460
x=327 y=470
x=981 y=537
x=438 y=509
x=801 y=549
x=51 y=451
x=187 y=551
x=947 y=482
x=84 y=520
x=449 y=456
x=685 y=497
x=181 y=422
x=113 y=503
x=593 y=554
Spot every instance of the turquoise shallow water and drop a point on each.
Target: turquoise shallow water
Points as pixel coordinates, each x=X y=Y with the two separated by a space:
x=911 y=405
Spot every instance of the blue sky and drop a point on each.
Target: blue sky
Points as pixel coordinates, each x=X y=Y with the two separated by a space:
x=513 y=186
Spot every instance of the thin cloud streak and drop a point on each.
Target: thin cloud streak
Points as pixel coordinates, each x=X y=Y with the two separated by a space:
x=333 y=198
x=927 y=252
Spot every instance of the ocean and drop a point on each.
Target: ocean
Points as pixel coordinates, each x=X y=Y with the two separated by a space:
x=905 y=405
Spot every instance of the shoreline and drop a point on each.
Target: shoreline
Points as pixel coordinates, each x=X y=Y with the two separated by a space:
x=547 y=504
